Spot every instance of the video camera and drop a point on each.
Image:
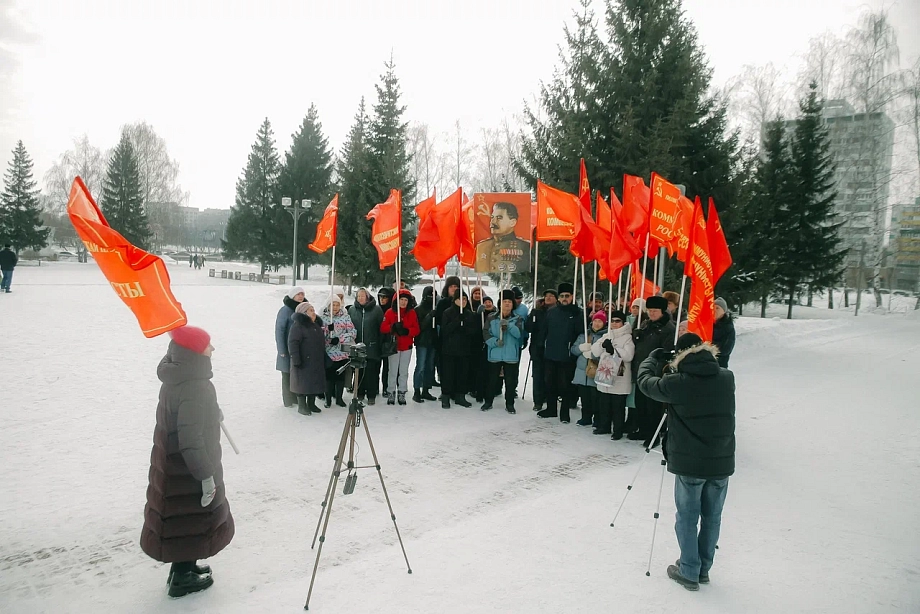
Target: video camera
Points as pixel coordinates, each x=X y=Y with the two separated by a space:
x=357 y=355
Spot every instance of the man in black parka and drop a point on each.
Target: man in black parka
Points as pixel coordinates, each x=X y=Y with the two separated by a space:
x=656 y=331
x=700 y=447
x=563 y=323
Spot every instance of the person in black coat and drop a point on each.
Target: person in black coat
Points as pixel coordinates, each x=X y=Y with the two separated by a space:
x=8 y=261
x=563 y=324
x=283 y=322
x=699 y=448
x=723 y=332
x=367 y=316
x=187 y=516
x=426 y=344
x=385 y=300
x=458 y=325
x=535 y=325
x=307 y=347
x=656 y=332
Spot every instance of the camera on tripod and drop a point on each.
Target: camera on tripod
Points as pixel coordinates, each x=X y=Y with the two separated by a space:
x=357 y=355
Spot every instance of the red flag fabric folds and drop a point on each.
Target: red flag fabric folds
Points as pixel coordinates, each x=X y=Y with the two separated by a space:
x=636 y=198
x=557 y=214
x=664 y=211
x=584 y=188
x=465 y=231
x=326 y=229
x=438 y=238
x=700 y=315
x=718 y=247
x=386 y=234
x=139 y=279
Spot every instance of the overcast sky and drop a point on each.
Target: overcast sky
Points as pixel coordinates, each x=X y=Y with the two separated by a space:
x=205 y=73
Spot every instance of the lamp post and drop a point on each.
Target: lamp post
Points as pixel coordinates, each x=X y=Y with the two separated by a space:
x=297 y=209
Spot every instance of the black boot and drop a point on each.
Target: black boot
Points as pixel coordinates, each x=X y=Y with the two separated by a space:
x=417 y=397
x=311 y=404
x=509 y=407
x=460 y=399
x=199 y=569
x=339 y=389
x=445 y=401
x=185 y=582
x=427 y=396
x=487 y=405
x=327 y=400
x=302 y=407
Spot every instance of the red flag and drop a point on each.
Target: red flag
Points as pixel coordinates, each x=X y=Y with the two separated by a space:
x=326 y=229
x=718 y=246
x=386 y=234
x=438 y=239
x=616 y=207
x=557 y=214
x=603 y=214
x=139 y=279
x=584 y=188
x=622 y=249
x=590 y=242
x=681 y=242
x=664 y=211
x=465 y=231
x=699 y=268
x=636 y=197
x=638 y=288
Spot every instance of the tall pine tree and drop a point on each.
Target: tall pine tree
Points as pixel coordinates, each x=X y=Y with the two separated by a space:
x=20 y=220
x=307 y=174
x=814 y=257
x=122 y=201
x=254 y=230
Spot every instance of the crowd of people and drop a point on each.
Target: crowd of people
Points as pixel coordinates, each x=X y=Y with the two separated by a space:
x=471 y=345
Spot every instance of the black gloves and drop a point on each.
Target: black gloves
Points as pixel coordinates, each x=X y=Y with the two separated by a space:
x=400 y=329
x=660 y=355
x=608 y=345
x=333 y=340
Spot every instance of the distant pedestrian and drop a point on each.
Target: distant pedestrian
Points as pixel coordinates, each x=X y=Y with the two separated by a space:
x=283 y=322
x=187 y=516
x=191 y=260
x=8 y=262
x=723 y=331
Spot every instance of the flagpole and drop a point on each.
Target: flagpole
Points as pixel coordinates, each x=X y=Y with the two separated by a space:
x=655 y=274
x=628 y=288
x=583 y=293
x=619 y=290
x=332 y=279
x=680 y=307
x=594 y=281
x=610 y=302
x=575 y=284
x=398 y=280
x=642 y=283
x=536 y=266
x=434 y=294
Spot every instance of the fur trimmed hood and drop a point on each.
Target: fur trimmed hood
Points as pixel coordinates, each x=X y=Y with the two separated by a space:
x=696 y=349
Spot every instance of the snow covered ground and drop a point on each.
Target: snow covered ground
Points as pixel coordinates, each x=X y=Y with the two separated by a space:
x=499 y=513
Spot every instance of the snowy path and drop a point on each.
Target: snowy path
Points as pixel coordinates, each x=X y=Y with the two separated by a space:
x=498 y=513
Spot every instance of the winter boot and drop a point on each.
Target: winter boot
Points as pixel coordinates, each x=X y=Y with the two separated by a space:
x=391 y=398
x=327 y=400
x=339 y=389
x=427 y=396
x=617 y=435
x=302 y=407
x=186 y=582
x=401 y=398
x=509 y=407
x=547 y=413
x=417 y=397
x=487 y=405
x=674 y=574
x=371 y=400
x=460 y=399
x=199 y=569
x=445 y=401
x=311 y=404
x=704 y=577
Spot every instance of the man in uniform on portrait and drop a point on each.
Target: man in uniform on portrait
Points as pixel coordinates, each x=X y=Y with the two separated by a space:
x=504 y=251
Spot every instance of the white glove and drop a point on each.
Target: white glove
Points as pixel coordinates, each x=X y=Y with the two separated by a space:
x=585 y=347
x=208 y=490
x=587 y=354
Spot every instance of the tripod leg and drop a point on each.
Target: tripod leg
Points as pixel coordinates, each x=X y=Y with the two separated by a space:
x=349 y=424
x=635 y=477
x=648 y=571
x=336 y=468
x=386 y=494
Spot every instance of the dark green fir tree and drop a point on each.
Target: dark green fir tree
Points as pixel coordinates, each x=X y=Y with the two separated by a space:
x=20 y=209
x=122 y=200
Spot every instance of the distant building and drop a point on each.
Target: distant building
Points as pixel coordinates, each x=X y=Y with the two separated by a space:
x=905 y=243
x=862 y=145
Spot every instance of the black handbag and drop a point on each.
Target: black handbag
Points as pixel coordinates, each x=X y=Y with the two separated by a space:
x=387 y=344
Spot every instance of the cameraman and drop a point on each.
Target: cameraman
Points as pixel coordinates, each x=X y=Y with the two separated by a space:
x=700 y=447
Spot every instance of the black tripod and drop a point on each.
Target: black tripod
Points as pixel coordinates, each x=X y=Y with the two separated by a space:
x=352 y=422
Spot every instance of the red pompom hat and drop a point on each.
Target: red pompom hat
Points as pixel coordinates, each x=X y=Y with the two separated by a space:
x=191 y=338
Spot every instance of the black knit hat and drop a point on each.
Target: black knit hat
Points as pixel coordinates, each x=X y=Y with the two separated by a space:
x=620 y=315
x=566 y=287
x=517 y=292
x=656 y=302
x=687 y=340
x=508 y=295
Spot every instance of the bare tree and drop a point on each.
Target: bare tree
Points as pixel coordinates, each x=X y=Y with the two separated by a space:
x=912 y=96
x=823 y=64
x=489 y=162
x=459 y=158
x=159 y=173
x=756 y=96
x=427 y=167
x=84 y=160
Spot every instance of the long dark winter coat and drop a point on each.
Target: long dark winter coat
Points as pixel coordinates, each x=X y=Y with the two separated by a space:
x=701 y=421
x=563 y=323
x=186 y=451
x=428 y=333
x=723 y=337
x=653 y=335
x=307 y=347
x=459 y=331
x=283 y=322
x=367 y=319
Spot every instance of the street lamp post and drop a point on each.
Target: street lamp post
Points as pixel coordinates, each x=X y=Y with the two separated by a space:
x=297 y=209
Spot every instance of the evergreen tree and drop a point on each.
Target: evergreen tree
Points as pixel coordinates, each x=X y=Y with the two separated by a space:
x=122 y=201
x=254 y=230
x=20 y=220
x=636 y=103
x=307 y=174
x=355 y=256
x=814 y=257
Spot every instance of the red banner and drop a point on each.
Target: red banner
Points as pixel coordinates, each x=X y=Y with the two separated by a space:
x=386 y=234
x=557 y=214
x=139 y=279
x=681 y=242
x=718 y=246
x=603 y=214
x=636 y=197
x=326 y=229
x=700 y=315
x=438 y=238
x=465 y=231
x=584 y=188
x=664 y=210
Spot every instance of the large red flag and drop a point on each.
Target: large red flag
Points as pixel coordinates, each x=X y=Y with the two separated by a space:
x=622 y=249
x=616 y=208
x=638 y=288
x=465 y=231
x=718 y=247
x=681 y=241
x=603 y=213
x=699 y=268
x=557 y=214
x=636 y=197
x=438 y=239
x=386 y=234
x=584 y=188
x=424 y=208
x=664 y=211
x=591 y=241
x=326 y=229
x=139 y=279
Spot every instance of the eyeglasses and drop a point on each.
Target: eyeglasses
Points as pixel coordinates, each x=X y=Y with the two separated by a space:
x=616 y=321
x=565 y=295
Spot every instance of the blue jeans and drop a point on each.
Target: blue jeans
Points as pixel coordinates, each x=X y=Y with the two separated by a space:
x=698 y=501
x=7 y=280
x=424 y=368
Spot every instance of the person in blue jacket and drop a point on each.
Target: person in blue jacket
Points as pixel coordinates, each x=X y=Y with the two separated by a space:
x=504 y=335
x=283 y=321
